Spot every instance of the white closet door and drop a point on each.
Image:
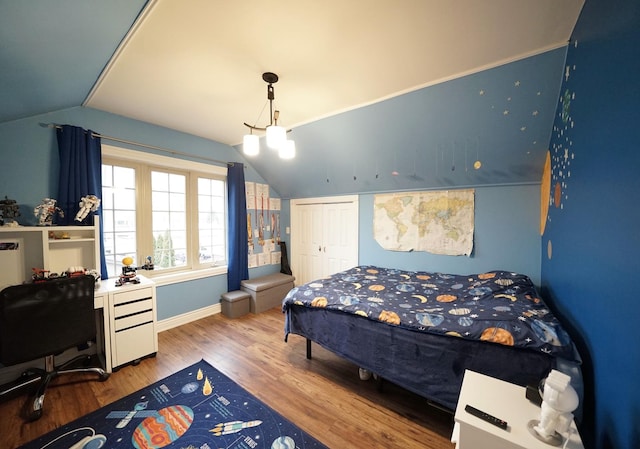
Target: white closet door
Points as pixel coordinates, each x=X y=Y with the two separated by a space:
x=307 y=228
x=340 y=237
x=324 y=236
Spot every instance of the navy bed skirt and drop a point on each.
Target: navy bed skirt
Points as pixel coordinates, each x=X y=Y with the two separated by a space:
x=429 y=365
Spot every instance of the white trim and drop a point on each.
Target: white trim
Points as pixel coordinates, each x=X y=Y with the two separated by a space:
x=462 y=74
x=162 y=161
x=188 y=317
x=184 y=276
x=142 y=17
x=325 y=200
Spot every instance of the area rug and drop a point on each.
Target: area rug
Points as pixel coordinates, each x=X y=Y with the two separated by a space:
x=195 y=408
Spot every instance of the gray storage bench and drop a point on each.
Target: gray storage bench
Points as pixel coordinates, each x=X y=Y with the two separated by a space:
x=267 y=291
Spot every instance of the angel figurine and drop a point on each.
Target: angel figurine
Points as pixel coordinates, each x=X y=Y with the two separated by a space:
x=89 y=203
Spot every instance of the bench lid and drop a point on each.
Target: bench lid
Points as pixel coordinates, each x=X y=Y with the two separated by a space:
x=265 y=282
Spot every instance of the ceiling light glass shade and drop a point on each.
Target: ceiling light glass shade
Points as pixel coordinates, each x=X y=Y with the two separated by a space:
x=251 y=145
x=276 y=137
x=288 y=150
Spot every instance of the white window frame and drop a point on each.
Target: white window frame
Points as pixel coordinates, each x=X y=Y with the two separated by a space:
x=143 y=163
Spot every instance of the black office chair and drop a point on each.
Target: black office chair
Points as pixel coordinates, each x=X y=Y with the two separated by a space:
x=43 y=320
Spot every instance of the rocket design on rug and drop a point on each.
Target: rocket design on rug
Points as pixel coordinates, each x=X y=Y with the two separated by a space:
x=233 y=427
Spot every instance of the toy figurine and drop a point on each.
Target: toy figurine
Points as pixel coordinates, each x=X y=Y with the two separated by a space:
x=46 y=210
x=9 y=210
x=89 y=203
x=559 y=399
x=128 y=273
x=148 y=265
x=40 y=275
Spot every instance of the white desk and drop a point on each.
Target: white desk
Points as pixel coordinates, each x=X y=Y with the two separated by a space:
x=502 y=400
x=125 y=327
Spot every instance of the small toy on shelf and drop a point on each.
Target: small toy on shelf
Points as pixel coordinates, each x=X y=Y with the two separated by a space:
x=148 y=264
x=9 y=210
x=46 y=211
x=128 y=273
x=40 y=275
x=89 y=203
x=81 y=271
x=75 y=271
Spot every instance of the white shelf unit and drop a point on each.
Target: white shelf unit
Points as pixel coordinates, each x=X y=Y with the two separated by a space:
x=39 y=247
x=43 y=247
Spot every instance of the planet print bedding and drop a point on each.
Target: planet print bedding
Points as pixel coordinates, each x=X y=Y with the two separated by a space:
x=498 y=306
x=422 y=330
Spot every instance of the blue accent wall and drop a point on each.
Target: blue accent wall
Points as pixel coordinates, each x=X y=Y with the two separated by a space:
x=592 y=237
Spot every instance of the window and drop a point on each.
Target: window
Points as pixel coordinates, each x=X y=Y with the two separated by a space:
x=170 y=211
x=211 y=220
x=118 y=215
x=169 y=219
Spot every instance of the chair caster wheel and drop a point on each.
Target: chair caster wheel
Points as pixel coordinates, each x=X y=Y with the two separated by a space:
x=34 y=415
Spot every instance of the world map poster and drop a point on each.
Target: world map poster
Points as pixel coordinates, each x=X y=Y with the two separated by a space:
x=438 y=222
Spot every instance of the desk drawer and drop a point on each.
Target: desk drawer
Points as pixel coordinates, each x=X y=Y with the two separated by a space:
x=133 y=320
x=134 y=343
x=132 y=295
x=133 y=307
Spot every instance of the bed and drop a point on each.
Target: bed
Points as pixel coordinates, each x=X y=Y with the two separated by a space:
x=422 y=330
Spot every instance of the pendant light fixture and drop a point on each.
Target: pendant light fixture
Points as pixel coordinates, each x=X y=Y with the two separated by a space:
x=276 y=135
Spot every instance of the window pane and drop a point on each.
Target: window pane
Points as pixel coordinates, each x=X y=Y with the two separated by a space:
x=204 y=186
x=124 y=199
x=211 y=235
x=169 y=219
x=124 y=178
x=125 y=220
x=160 y=201
x=160 y=181
x=177 y=183
x=119 y=215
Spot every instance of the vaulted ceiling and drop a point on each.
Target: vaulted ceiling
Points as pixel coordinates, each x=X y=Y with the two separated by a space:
x=196 y=65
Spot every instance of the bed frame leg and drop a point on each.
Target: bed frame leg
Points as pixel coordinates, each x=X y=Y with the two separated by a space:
x=308 y=349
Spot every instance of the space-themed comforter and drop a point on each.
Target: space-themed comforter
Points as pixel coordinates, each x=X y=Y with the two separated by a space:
x=497 y=306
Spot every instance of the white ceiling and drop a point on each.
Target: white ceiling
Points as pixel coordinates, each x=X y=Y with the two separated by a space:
x=196 y=65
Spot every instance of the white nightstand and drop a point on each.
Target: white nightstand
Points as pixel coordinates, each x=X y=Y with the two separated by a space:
x=502 y=400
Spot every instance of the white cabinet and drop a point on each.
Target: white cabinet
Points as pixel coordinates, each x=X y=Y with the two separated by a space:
x=51 y=248
x=324 y=236
x=502 y=400
x=132 y=320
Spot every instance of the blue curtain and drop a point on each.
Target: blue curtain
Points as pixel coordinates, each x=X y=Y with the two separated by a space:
x=238 y=263
x=80 y=175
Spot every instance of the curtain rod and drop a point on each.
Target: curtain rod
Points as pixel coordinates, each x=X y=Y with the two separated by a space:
x=144 y=145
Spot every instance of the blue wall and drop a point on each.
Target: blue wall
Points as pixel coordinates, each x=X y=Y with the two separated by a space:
x=593 y=231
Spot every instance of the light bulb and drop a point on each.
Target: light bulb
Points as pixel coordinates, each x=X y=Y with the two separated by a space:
x=251 y=145
x=276 y=136
x=288 y=150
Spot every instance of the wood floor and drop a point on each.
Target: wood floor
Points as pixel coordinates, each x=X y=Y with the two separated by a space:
x=323 y=396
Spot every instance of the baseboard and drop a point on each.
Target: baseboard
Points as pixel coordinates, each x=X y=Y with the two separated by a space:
x=188 y=317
